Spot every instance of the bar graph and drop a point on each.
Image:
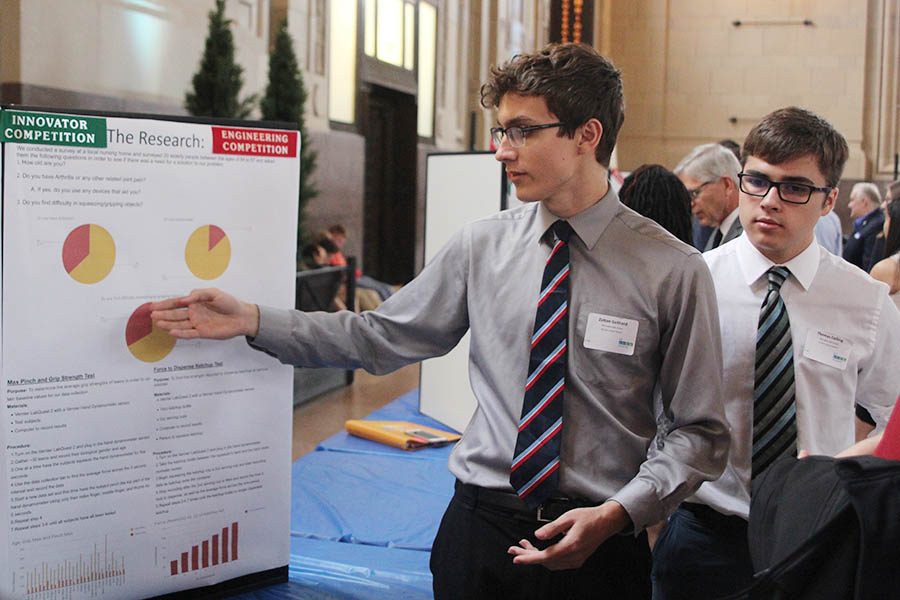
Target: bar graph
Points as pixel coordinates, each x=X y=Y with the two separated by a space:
x=90 y=574
x=220 y=548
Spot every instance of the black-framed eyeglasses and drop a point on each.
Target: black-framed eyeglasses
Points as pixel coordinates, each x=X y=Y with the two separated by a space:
x=694 y=192
x=791 y=192
x=516 y=135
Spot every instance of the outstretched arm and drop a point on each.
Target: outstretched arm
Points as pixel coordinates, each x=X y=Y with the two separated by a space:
x=206 y=313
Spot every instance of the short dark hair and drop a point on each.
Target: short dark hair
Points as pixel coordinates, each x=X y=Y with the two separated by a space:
x=733 y=146
x=327 y=244
x=792 y=132
x=337 y=229
x=308 y=253
x=893 y=188
x=658 y=194
x=576 y=82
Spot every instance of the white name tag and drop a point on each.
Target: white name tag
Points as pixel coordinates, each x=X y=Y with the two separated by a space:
x=610 y=334
x=827 y=348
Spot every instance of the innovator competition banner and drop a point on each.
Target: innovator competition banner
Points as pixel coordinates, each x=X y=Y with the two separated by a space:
x=132 y=465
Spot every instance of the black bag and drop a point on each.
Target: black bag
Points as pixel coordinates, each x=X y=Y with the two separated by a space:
x=823 y=528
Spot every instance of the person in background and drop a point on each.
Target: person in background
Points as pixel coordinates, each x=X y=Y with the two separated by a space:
x=702 y=233
x=805 y=337
x=865 y=209
x=888 y=268
x=828 y=233
x=549 y=503
x=656 y=193
x=337 y=237
x=732 y=146
x=709 y=172
x=313 y=256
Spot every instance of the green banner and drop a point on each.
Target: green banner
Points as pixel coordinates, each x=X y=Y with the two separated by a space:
x=50 y=128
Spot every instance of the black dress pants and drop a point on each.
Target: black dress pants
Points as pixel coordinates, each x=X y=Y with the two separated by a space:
x=469 y=560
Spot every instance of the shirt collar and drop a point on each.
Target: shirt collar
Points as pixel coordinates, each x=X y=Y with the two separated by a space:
x=590 y=223
x=754 y=265
x=726 y=224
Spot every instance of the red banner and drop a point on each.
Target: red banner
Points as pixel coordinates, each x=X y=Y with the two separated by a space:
x=255 y=142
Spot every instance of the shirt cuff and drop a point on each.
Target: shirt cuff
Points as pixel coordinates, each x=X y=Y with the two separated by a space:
x=274 y=324
x=639 y=500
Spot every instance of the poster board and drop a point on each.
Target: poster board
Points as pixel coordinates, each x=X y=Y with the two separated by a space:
x=459 y=188
x=134 y=465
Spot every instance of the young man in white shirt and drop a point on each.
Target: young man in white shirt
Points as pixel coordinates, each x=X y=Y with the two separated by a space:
x=839 y=345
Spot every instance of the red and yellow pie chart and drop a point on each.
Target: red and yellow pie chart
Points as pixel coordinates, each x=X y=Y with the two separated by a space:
x=207 y=252
x=144 y=341
x=89 y=253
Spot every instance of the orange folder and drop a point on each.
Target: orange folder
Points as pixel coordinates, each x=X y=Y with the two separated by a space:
x=400 y=434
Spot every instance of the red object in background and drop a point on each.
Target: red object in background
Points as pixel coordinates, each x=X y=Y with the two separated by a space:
x=889 y=446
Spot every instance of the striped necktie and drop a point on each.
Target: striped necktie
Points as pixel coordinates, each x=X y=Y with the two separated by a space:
x=774 y=411
x=534 y=473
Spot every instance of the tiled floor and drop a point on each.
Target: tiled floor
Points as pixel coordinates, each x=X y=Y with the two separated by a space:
x=320 y=418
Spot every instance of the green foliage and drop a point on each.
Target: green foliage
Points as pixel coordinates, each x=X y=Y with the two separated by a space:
x=219 y=80
x=284 y=100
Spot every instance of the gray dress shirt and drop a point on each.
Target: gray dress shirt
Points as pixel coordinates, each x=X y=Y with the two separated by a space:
x=487 y=279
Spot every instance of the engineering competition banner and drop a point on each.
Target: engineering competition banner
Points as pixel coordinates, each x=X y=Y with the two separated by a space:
x=132 y=465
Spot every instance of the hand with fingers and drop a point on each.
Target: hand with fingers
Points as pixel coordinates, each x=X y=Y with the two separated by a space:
x=582 y=530
x=207 y=314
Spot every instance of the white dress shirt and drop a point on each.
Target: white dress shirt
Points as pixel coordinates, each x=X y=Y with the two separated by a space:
x=832 y=305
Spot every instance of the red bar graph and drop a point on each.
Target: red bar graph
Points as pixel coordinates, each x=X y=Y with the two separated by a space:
x=234 y=541
x=224 y=544
x=223 y=547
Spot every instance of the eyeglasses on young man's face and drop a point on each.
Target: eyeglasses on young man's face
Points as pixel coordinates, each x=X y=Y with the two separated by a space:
x=516 y=135
x=791 y=192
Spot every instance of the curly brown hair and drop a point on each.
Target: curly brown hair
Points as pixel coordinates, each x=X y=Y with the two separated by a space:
x=577 y=83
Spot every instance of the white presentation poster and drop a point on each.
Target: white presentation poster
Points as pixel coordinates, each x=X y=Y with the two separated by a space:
x=134 y=465
x=460 y=187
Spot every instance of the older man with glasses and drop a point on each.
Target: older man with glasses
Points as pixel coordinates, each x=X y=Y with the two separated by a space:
x=709 y=173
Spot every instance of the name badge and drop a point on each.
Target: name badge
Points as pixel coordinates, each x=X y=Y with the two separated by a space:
x=827 y=348
x=610 y=334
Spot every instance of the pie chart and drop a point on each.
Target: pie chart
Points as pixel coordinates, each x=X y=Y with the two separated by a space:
x=88 y=253
x=207 y=252
x=144 y=341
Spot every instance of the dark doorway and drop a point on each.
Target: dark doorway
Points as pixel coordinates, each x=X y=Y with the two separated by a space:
x=389 y=217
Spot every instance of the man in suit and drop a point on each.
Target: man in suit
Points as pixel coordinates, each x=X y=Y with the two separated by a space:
x=865 y=208
x=709 y=173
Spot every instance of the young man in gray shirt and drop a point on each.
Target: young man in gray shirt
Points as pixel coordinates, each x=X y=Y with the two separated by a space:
x=554 y=485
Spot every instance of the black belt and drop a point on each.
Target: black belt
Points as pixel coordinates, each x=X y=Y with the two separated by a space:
x=510 y=502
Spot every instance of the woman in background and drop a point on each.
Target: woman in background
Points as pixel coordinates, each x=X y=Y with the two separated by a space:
x=888 y=269
x=656 y=193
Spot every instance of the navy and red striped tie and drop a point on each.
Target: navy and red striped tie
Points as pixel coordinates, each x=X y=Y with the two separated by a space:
x=534 y=474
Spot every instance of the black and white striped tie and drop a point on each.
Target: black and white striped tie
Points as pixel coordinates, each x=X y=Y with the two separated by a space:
x=774 y=410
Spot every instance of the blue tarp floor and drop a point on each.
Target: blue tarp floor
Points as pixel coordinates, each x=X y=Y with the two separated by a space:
x=363 y=516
